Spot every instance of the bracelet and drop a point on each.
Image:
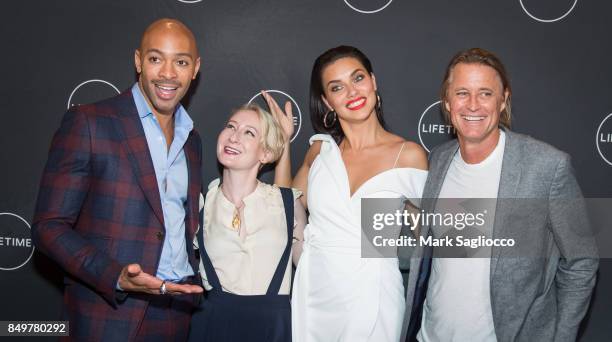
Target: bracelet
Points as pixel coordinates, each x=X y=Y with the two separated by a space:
x=162 y=288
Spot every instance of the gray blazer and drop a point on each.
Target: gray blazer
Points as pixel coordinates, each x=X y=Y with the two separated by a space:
x=532 y=298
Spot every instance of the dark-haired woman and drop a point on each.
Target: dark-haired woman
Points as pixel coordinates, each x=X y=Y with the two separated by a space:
x=337 y=294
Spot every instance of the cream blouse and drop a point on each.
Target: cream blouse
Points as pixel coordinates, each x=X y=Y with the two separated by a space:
x=245 y=263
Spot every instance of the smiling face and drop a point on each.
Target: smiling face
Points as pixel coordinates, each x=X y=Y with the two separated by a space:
x=475 y=98
x=166 y=61
x=349 y=90
x=239 y=146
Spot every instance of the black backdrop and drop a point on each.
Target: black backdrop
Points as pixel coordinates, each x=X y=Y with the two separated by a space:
x=61 y=53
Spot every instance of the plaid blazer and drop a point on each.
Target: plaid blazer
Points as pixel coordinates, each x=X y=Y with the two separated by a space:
x=99 y=209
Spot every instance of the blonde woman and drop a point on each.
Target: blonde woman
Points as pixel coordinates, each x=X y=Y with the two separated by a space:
x=246 y=238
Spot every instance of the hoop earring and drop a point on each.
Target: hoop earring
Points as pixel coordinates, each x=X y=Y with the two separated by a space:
x=333 y=121
x=378 y=102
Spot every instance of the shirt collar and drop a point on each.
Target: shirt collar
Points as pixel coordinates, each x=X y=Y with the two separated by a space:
x=182 y=120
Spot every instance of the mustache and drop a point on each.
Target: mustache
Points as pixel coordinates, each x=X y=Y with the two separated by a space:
x=167 y=82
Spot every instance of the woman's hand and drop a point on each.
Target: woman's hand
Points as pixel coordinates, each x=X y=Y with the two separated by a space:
x=285 y=119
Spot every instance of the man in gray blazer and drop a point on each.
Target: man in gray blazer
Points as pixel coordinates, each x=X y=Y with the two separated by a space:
x=540 y=294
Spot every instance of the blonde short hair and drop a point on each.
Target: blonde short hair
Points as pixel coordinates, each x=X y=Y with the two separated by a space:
x=272 y=138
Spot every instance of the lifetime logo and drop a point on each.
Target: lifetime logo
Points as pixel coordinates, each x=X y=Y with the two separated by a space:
x=358 y=7
x=432 y=128
x=603 y=139
x=545 y=6
x=437 y=128
x=16 y=247
x=91 y=91
x=15 y=242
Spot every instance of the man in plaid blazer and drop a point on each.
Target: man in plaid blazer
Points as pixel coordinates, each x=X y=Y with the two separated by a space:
x=118 y=200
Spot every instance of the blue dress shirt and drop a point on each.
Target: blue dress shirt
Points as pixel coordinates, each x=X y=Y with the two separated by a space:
x=172 y=179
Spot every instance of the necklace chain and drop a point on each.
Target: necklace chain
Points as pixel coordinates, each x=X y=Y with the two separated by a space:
x=236 y=221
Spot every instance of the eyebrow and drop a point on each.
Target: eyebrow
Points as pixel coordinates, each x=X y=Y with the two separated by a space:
x=236 y=122
x=465 y=88
x=352 y=73
x=180 y=54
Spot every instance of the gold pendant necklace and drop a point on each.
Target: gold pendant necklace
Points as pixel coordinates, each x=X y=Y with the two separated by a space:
x=236 y=219
x=236 y=222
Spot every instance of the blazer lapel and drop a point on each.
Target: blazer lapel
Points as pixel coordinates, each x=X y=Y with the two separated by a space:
x=135 y=143
x=508 y=183
x=192 y=154
x=439 y=164
x=420 y=264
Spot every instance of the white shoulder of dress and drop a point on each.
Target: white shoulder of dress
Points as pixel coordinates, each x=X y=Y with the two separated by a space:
x=321 y=137
x=212 y=187
x=414 y=174
x=411 y=181
x=272 y=190
x=214 y=183
x=267 y=190
x=413 y=170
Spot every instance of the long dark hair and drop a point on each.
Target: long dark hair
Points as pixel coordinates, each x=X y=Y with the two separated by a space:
x=318 y=109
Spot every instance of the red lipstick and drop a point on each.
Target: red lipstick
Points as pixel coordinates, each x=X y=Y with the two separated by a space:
x=350 y=104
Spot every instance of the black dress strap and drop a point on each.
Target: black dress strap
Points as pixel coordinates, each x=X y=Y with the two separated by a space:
x=213 y=280
x=277 y=279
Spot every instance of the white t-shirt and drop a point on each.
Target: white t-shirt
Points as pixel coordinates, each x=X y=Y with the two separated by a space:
x=458 y=303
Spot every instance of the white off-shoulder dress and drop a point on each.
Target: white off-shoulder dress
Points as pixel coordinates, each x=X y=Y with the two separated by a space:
x=338 y=295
